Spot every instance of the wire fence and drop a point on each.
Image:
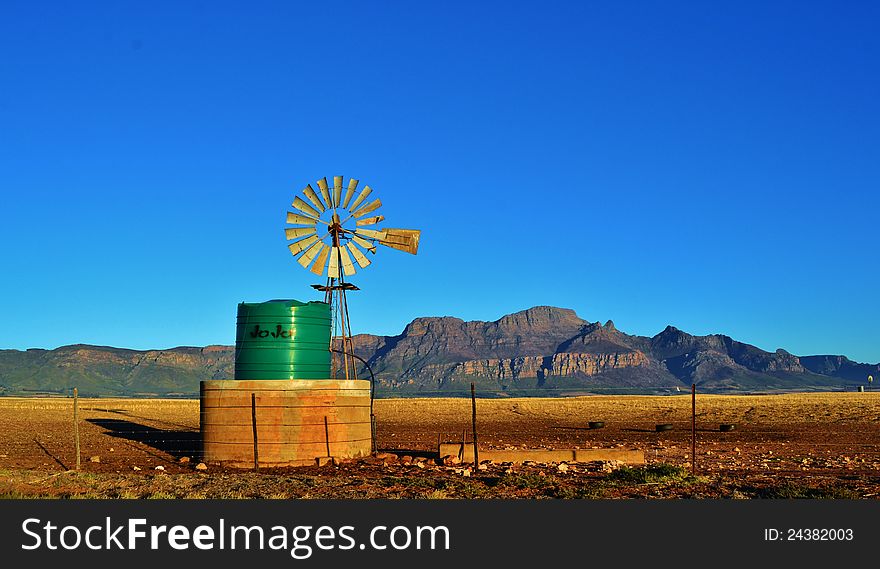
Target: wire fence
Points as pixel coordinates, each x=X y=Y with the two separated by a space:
x=817 y=436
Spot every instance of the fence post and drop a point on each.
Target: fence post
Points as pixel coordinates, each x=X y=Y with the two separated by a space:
x=463 y=443
x=76 y=424
x=474 y=425
x=327 y=435
x=694 y=428
x=254 y=423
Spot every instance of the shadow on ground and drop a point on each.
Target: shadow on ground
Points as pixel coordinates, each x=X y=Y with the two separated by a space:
x=177 y=443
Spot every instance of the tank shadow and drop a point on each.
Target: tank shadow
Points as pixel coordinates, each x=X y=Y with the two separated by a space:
x=177 y=443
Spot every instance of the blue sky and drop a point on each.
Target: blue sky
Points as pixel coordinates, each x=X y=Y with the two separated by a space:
x=713 y=166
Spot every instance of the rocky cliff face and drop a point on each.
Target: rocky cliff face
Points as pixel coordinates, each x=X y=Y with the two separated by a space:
x=539 y=350
x=546 y=346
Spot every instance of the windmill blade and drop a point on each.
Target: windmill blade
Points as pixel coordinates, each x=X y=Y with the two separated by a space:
x=321 y=262
x=377 y=234
x=310 y=254
x=361 y=197
x=301 y=205
x=364 y=243
x=402 y=239
x=371 y=233
x=352 y=185
x=296 y=219
x=358 y=255
x=337 y=190
x=294 y=232
x=333 y=268
x=313 y=197
x=347 y=265
x=298 y=247
x=325 y=192
x=372 y=206
x=369 y=220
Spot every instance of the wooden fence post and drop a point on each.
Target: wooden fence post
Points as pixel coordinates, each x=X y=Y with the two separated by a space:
x=474 y=425
x=694 y=428
x=76 y=424
x=327 y=435
x=254 y=423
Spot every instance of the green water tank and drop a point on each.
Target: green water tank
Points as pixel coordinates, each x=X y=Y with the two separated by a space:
x=282 y=339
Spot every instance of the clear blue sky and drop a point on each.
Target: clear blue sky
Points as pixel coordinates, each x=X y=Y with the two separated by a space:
x=713 y=166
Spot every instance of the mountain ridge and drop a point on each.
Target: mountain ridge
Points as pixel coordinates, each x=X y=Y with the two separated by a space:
x=542 y=350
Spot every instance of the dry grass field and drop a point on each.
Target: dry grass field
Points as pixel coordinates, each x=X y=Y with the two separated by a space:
x=788 y=445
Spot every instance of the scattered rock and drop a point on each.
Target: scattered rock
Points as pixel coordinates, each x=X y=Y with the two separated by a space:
x=419 y=464
x=95 y=458
x=160 y=467
x=610 y=465
x=450 y=460
x=111 y=449
x=483 y=467
x=324 y=460
x=201 y=466
x=406 y=459
x=562 y=467
x=183 y=459
x=386 y=456
x=136 y=467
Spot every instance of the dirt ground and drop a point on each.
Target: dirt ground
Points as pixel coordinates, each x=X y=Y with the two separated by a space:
x=788 y=446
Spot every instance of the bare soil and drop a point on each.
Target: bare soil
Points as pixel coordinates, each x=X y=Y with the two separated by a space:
x=783 y=446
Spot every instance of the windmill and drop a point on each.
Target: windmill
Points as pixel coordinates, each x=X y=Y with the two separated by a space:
x=331 y=235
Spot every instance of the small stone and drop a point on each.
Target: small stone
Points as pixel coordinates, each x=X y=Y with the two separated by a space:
x=183 y=460
x=95 y=458
x=610 y=465
x=419 y=464
x=736 y=449
x=160 y=467
x=483 y=467
x=201 y=466
x=450 y=460
x=136 y=467
x=324 y=460
x=562 y=467
x=111 y=449
x=406 y=459
x=386 y=456
x=508 y=471
x=3 y=456
x=466 y=472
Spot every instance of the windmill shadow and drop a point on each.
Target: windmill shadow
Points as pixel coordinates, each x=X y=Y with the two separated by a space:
x=177 y=443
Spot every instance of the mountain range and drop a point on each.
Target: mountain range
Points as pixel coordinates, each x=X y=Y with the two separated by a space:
x=540 y=351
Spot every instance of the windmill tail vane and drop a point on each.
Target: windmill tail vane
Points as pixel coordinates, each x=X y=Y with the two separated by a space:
x=330 y=235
